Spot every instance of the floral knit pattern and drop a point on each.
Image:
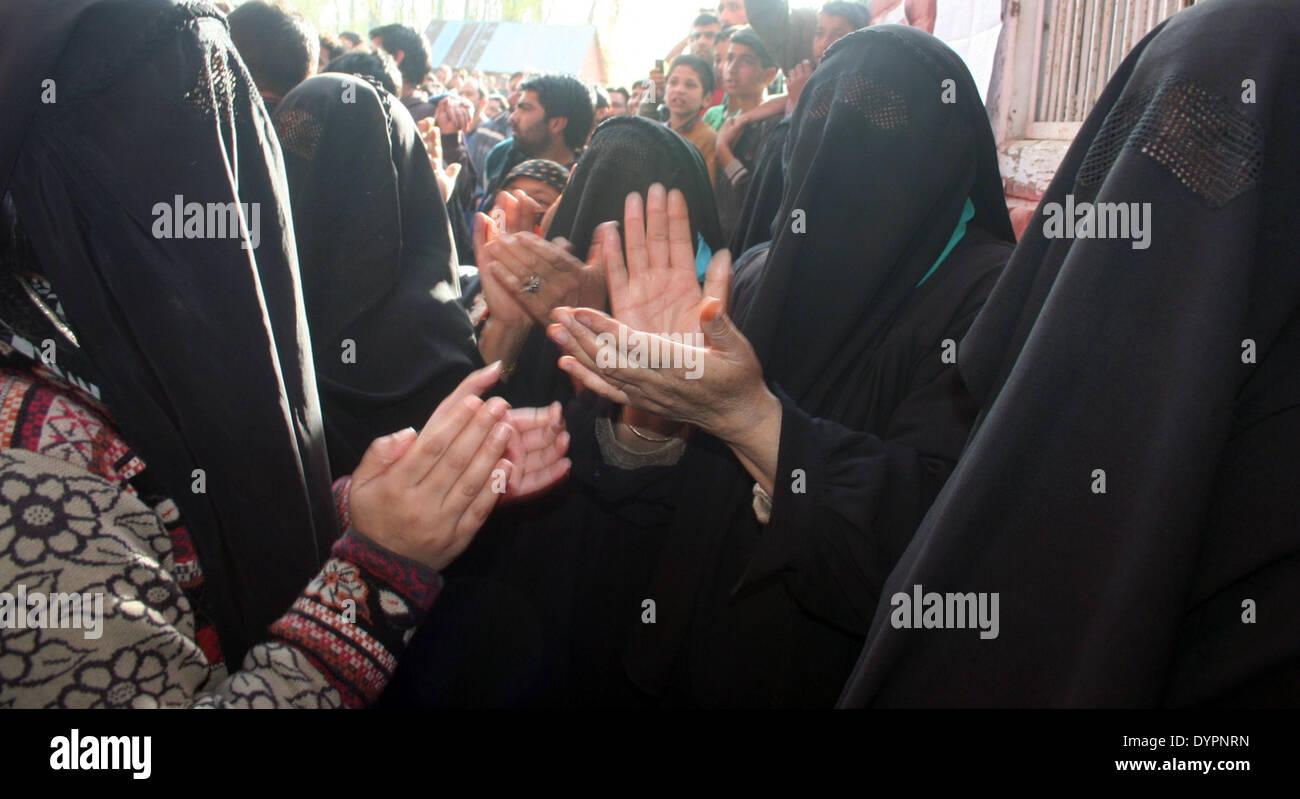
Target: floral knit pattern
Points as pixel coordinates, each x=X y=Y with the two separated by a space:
x=71 y=524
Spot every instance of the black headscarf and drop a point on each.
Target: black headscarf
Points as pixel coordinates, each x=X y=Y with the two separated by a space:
x=758 y=220
x=787 y=33
x=390 y=337
x=881 y=169
x=199 y=345
x=628 y=154
x=871 y=115
x=1092 y=355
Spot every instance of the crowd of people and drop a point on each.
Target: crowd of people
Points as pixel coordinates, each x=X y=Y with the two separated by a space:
x=467 y=389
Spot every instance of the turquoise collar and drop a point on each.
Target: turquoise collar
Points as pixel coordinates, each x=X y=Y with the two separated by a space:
x=967 y=214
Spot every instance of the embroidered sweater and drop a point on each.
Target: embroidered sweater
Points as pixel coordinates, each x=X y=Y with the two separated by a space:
x=101 y=593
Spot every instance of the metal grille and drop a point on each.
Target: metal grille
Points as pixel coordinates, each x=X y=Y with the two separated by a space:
x=1082 y=44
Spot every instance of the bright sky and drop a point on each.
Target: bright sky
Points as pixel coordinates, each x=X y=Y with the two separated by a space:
x=642 y=31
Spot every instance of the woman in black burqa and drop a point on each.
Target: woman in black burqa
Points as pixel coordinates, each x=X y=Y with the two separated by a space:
x=389 y=335
x=1169 y=371
x=539 y=602
x=851 y=315
x=181 y=369
x=626 y=154
x=196 y=345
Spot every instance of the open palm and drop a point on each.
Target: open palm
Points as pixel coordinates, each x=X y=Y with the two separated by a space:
x=655 y=289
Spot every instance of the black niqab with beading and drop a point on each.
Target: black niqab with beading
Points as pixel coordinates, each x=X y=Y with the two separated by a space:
x=1093 y=355
x=867 y=119
x=199 y=345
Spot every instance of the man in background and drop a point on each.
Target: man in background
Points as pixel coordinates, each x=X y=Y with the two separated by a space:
x=278 y=45
x=835 y=21
x=750 y=68
x=701 y=41
x=552 y=121
x=408 y=49
x=732 y=12
x=690 y=82
x=618 y=97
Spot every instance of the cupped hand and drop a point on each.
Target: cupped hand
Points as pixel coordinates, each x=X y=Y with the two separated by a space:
x=512 y=212
x=730 y=131
x=537 y=451
x=519 y=261
x=516 y=212
x=453 y=114
x=504 y=307
x=425 y=495
x=716 y=387
x=446 y=175
x=796 y=80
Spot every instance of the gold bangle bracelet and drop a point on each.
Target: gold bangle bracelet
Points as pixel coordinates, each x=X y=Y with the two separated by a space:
x=645 y=437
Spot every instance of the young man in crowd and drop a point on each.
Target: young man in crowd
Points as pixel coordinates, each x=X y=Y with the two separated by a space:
x=618 y=97
x=690 y=81
x=552 y=121
x=732 y=12
x=480 y=135
x=720 y=47
x=497 y=114
x=330 y=48
x=408 y=49
x=836 y=20
x=750 y=68
x=701 y=41
x=704 y=32
x=279 y=47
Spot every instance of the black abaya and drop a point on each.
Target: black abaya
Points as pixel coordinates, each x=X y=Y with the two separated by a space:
x=390 y=337
x=848 y=315
x=198 y=344
x=1169 y=372
x=539 y=605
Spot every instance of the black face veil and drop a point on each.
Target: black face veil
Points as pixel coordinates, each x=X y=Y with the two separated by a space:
x=880 y=170
x=1131 y=482
x=199 y=344
x=628 y=154
x=379 y=269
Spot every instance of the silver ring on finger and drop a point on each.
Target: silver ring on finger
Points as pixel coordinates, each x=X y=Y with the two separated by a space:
x=532 y=284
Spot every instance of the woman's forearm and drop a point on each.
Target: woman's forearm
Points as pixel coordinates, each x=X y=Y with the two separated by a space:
x=757 y=442
x=502 y=343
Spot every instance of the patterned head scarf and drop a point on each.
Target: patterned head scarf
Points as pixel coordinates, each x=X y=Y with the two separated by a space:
x=548 y=172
